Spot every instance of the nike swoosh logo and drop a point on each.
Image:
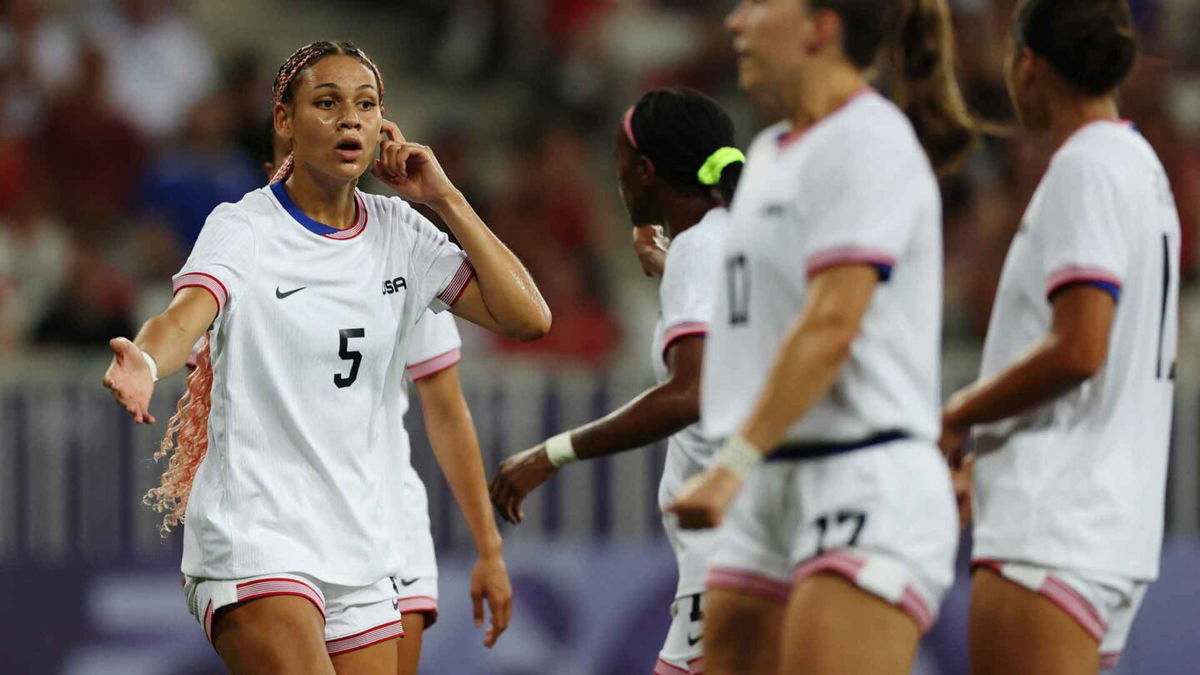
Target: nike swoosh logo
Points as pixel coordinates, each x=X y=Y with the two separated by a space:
x=408 y=582
x=281 y=295
x=692 y=642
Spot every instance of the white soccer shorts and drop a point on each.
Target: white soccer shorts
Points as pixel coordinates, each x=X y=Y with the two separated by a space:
x=355 y=616
x=883 y=517
x=1103 y=604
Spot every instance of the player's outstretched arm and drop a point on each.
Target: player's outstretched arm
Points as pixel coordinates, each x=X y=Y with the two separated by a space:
x=1073 y=351
x=168 y=339
x=502 y=297
x=452 y=434
x=652 y=416
x=817 y=345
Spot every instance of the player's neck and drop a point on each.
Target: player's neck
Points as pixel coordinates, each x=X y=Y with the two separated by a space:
x=1072 y=114
x=682 y=212
x=327 y=202
x=825 y=94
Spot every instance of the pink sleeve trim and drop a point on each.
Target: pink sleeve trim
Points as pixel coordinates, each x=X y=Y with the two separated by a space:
x=848 y=255
x=458 y=283
x=682 y=330
x=206 y=281
x=1077 y=274
x=435 y=365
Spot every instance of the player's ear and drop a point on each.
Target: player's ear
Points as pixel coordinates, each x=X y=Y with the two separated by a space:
x=282 y=115
x=645 y=169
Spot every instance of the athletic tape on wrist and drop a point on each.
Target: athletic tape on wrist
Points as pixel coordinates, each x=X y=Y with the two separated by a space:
x=560 y=450
x=152 y=364
x=739 y=455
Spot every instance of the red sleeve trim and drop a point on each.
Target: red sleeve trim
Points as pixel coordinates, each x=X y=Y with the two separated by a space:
x=202 y=280
x=433 y=366
x=683 y=330
x=1079 y=274
x=458 y=283
x=850 y=255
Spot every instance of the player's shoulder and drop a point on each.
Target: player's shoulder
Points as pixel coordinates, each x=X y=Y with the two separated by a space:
x=396 y=216
x=254 y=206
x=702 y=242
x=1103 y=150
x=869 y=134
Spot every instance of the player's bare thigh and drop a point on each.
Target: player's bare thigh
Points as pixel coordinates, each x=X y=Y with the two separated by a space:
x=833 y=627
x=741 y=633
x=408 y=648
x=277 y=634
x=1015 y=630
x=378 y=659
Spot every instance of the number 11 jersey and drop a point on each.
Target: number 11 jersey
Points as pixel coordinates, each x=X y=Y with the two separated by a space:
x=309 y=351
x=1079 y=482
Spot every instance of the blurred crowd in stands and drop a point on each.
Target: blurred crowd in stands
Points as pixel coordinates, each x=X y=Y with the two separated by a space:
x=122 y=126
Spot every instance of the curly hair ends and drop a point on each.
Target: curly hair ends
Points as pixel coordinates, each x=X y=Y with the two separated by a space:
x=186 y=442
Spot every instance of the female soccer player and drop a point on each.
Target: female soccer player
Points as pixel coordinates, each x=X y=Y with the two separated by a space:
x=1071 y=416
x=433 y=357
x=676 y=165
x=823 y=353
x=312 y=289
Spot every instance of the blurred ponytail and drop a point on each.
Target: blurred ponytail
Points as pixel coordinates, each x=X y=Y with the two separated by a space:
x=187 y=443
x=926 y=87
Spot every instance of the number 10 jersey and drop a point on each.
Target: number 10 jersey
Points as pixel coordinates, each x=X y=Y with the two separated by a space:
x=309 y=350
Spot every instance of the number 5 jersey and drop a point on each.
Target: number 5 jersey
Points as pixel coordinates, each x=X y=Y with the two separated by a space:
x=309 y=351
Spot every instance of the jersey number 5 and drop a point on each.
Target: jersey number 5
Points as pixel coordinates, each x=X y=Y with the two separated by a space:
x=355 y=358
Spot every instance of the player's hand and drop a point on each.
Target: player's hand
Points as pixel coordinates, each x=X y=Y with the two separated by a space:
x=952 y=442
x=517 y=477
x=489 y=581
x=961 y=478
x=129 y=378
x=651 y=248
x=704 y=498
x=410 y=168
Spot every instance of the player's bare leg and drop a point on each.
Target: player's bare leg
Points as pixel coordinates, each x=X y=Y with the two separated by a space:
x=278 y=634
x=1015 y=630
x=408 y=648
x=378 y=659
x=741 y=633
x=833 y=627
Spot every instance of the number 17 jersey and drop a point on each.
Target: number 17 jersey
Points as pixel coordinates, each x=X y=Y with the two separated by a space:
x=309 y=350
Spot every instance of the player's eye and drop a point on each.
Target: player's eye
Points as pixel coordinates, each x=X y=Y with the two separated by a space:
x=324 y=104
x=367 y=104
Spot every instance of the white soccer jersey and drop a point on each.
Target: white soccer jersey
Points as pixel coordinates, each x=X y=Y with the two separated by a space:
x=685 y=309
x=435 y=346
x=309 y=350
x=854 y=188
x=1080 y=482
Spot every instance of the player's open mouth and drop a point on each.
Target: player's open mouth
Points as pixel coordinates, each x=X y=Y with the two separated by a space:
x=349 y=150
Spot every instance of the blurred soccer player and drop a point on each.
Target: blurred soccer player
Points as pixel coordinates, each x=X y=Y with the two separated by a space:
x=1071 y=416
x=823 y=353
x=676 y=165
x=293 y=404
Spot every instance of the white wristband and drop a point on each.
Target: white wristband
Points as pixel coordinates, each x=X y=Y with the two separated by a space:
x=560 y=450
x=151 y=364
x=739 y=455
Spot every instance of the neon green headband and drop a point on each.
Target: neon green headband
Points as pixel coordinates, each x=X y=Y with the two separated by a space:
x=710 y=171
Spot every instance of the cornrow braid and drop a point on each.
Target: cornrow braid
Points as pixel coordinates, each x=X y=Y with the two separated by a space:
x=283 y=88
